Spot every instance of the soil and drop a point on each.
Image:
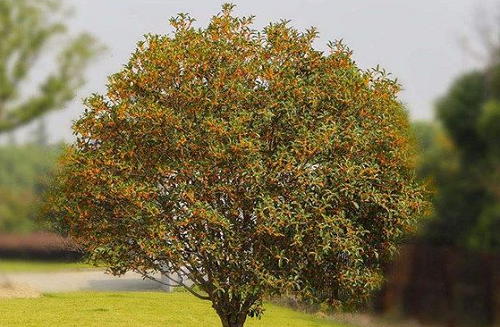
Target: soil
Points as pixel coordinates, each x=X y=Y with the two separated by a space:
x=12 y=291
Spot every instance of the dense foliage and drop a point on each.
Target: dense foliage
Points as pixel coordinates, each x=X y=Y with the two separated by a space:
x=465 y=163
x=25 y=173
x=27 y=28
x=248 y=162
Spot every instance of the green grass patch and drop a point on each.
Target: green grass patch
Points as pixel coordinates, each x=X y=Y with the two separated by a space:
x=153 y=309
x=40 y=266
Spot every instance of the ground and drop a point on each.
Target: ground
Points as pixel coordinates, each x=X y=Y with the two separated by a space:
x=74 y=295
x=13 y=291
x=81 y=280
x=130 y=309
x=14 y=266
x=52 y=277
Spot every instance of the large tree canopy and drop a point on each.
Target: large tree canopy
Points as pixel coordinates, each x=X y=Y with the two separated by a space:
x=27 y=28
x=247 y=161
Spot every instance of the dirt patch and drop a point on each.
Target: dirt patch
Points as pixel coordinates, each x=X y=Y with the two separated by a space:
x=12 y=291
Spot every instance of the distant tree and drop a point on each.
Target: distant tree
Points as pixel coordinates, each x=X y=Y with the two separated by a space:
x=440 y=167
x=29 y=29
x=466 y=172
x=39 y=134
x=25 y=173
x=246 y=161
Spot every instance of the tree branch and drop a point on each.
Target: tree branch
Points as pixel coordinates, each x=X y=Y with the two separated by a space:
x=179 y=284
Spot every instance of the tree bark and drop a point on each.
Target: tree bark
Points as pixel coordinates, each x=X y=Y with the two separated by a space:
x=236 y=319
x=230 y=317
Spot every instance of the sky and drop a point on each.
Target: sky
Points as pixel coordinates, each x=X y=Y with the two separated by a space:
x=418 y=41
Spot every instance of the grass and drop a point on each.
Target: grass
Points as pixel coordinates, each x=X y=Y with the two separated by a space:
x=10 y=266
x=102 y=309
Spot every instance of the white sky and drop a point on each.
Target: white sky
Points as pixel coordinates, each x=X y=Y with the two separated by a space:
x=417 y=40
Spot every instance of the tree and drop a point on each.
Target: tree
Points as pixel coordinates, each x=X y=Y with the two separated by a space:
x=27 y=28
x=466 y=172
x=248 y=162
x=25 y=173
x=439 y=166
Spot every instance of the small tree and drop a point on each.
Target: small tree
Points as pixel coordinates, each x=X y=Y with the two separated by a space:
x=248 y=162
x=27 y=28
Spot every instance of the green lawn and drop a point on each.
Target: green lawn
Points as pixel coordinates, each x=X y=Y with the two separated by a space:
x=42 y=266
x=102 y=309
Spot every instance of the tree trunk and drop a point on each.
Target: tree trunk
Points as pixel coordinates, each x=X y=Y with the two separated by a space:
x=233 y=311
x=229 y=322
x=232 y=318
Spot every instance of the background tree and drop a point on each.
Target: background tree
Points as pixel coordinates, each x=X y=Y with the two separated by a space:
x=27 y=28
x=464 y=162
x=26 y=172
x=248 y=162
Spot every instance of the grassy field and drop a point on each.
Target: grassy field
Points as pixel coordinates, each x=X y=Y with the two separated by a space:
x=39 y=266
x=135 y=309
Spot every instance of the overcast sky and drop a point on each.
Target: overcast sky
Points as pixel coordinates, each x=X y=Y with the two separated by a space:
x=417 y=40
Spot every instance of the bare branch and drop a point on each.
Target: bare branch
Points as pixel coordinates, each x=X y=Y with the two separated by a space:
x=190 y=289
